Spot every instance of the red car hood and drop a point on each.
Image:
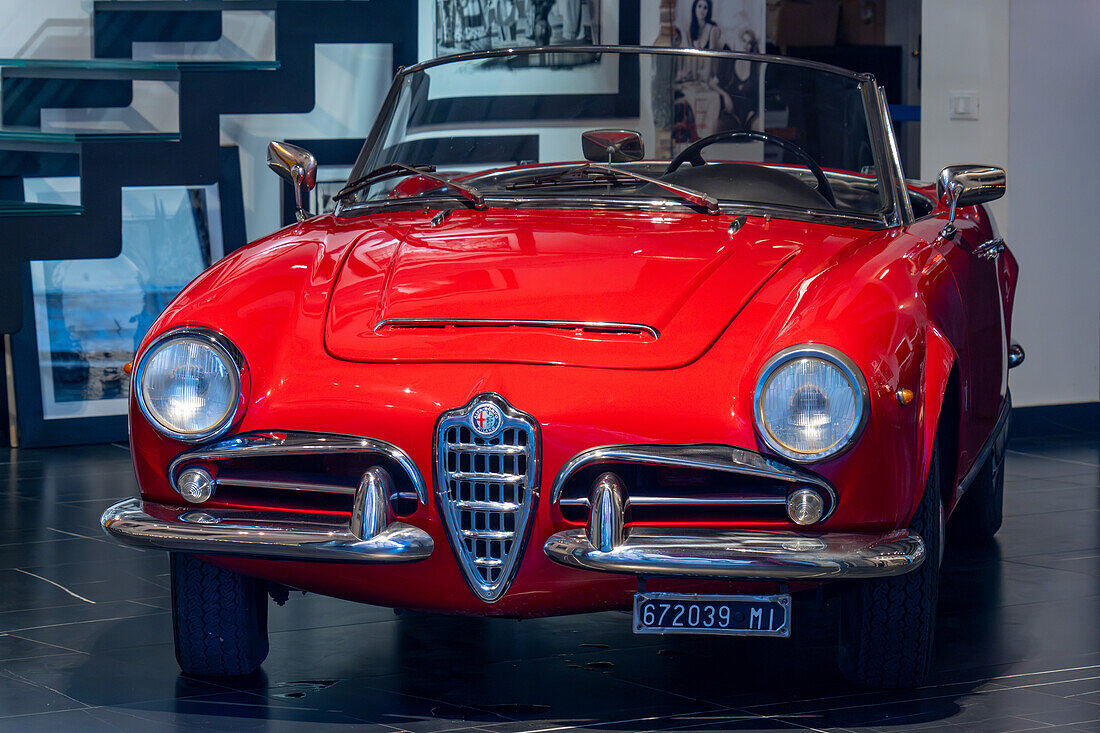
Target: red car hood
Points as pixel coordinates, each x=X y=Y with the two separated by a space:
x=672 y=282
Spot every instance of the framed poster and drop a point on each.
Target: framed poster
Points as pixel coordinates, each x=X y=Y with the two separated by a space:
x=89 y=315
x=477 y=25
x=572 y=85
x=716 y=94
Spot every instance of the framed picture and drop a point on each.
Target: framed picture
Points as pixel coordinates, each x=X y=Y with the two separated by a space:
x=89 y=315
x=574 y=85
x=330 y=179
x=477 y=25
x=716 y=94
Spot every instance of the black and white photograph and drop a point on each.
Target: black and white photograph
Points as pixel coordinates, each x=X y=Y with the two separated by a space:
x=716 y=94
x=479 y=25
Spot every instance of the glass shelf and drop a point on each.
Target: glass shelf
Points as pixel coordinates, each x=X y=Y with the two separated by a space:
x=35 y=135
x=124 y=68
x=24 y=208
x=148 y=6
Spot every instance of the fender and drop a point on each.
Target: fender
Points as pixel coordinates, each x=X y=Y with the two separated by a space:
x=939 y=361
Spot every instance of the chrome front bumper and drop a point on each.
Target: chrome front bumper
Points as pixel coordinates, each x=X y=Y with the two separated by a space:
x=209 y=531
x=759 y=555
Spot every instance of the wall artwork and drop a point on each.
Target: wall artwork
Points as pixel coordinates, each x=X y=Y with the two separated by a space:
x=478 y=25
x=579 y=84
x=91 y=314
x=712 y=95
x=330 y=179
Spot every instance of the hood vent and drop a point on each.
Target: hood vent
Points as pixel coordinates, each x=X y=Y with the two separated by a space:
x=580 y=328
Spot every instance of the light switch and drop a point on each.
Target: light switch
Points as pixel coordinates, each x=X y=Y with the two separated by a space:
x=963 y=105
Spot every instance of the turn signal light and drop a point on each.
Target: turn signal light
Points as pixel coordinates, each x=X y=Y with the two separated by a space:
x=196 y=485
x=805 y=506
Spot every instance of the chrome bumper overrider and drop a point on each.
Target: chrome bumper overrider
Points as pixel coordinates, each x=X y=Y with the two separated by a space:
x=210 y=531
x=779 y=555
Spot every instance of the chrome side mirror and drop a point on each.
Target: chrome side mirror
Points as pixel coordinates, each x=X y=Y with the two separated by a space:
x=968 y=185
x=297 y=166
x=612 y=146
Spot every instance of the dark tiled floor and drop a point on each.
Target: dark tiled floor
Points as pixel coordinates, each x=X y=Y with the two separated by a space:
x=85 y=641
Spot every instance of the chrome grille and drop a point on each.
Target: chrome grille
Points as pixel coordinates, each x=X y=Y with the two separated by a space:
x=487 y=485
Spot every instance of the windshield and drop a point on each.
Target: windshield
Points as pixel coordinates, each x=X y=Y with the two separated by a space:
x=624 y=129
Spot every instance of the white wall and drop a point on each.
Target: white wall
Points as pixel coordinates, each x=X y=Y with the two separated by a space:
x=46 y=29
x=1036 y=66
x=1053 y=166
x=964 y=48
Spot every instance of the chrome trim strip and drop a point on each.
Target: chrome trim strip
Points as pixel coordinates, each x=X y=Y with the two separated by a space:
x=658 y=51
x=689 y=501
x=778 y=555
x=492 y=478
x=217 y=531
x=291 y=443
x=1000 y=429
x=286 y=485
x=899 y=208
x=502 y=450
x=838 y=359
x=712 y=457
x=521 y=322
x=486 y=534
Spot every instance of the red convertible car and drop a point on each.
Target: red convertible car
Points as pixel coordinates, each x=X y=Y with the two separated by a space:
x=556 y=352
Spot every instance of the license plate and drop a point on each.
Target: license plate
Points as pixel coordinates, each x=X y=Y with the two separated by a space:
x=680 y=613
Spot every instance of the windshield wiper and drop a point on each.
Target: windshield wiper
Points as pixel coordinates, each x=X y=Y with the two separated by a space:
x=395 y=170
x=690 y=195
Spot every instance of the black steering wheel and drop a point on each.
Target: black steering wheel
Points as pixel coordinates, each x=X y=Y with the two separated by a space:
x=691 y=154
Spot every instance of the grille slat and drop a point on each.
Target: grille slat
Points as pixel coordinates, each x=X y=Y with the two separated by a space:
x=487 y=486
x=504 y=450
x=485 y=476
x=486 y=534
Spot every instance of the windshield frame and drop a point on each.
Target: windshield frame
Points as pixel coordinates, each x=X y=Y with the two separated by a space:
x=896 y=210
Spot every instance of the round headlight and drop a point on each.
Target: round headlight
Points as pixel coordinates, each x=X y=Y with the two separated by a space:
x=810 y=402
x=189 y=385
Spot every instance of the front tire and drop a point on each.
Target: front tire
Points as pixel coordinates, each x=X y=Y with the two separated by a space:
x=219 y=619
x=981 y=509
x=887 y=624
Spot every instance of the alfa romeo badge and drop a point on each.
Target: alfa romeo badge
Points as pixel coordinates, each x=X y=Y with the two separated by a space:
x=486 y=419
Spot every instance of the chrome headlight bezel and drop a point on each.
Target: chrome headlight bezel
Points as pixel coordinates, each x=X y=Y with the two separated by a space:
x=224 y=349
x=834 y=358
